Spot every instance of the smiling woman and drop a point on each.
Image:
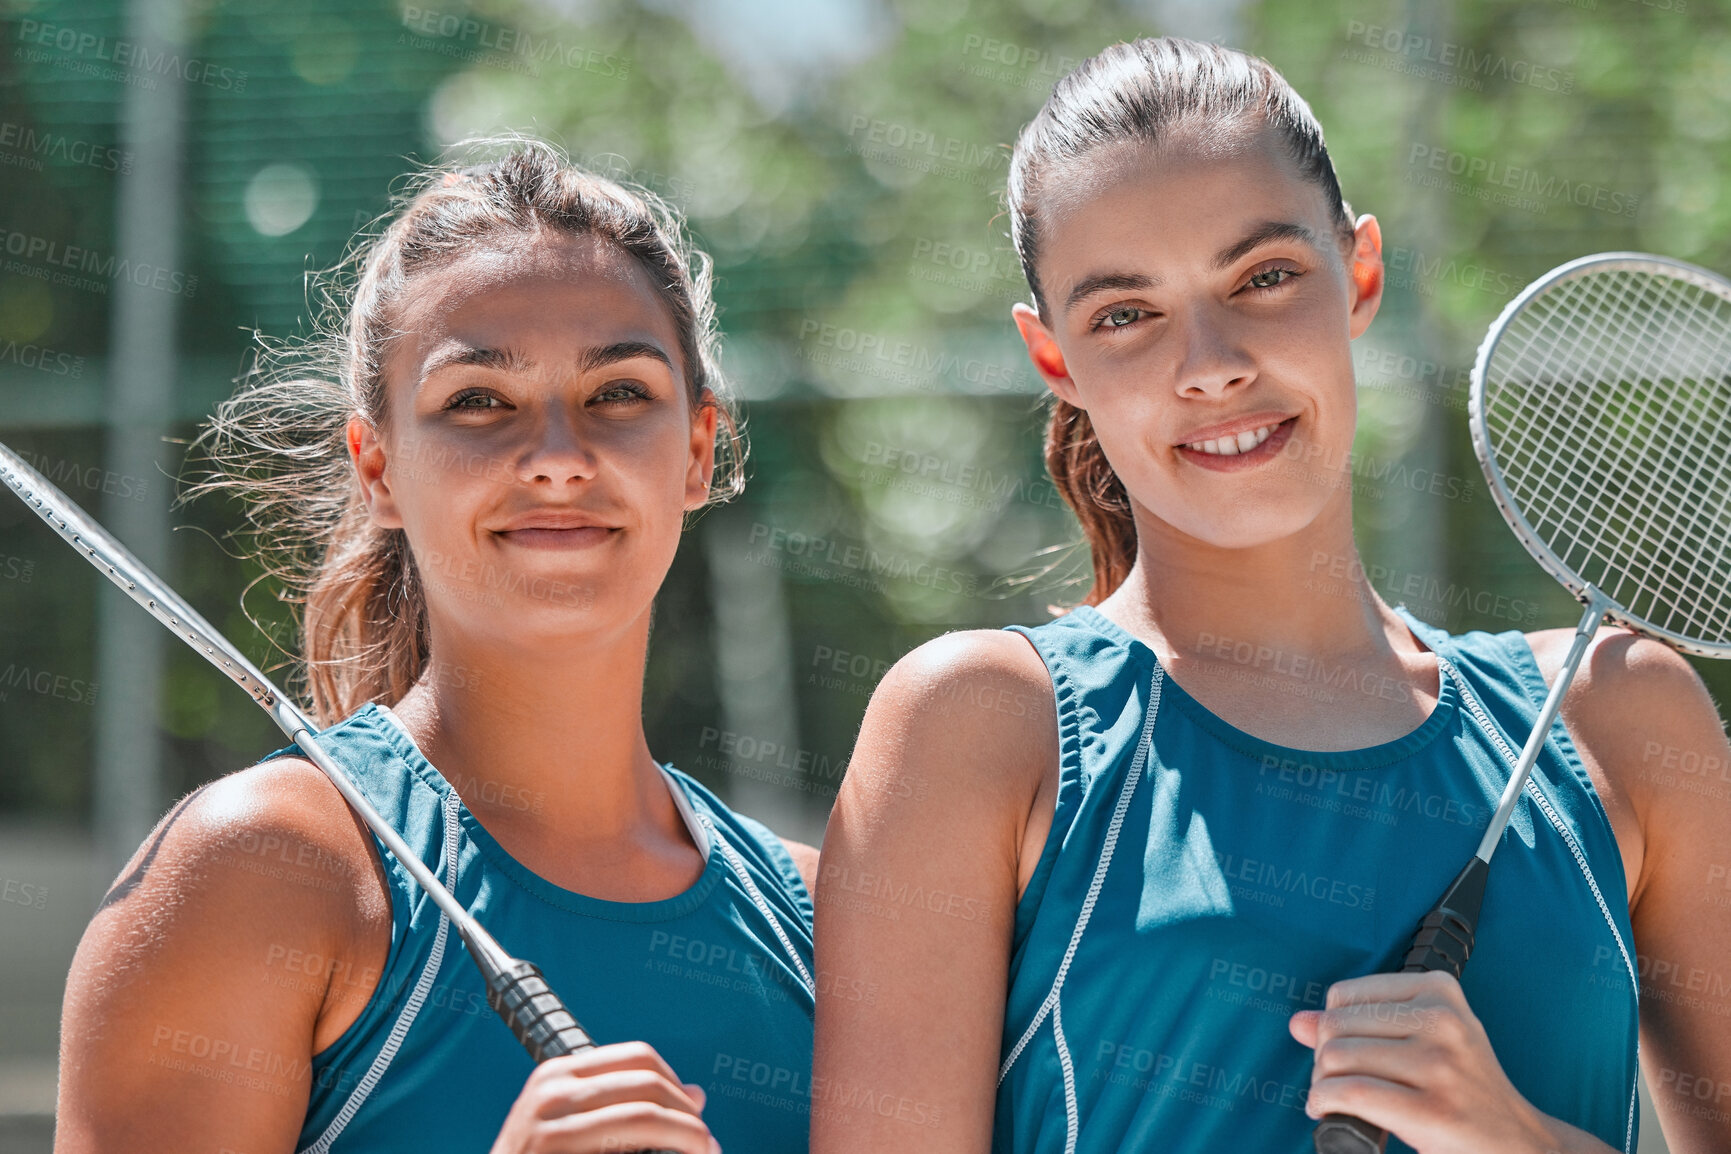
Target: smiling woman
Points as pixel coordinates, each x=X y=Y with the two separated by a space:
x=475 y=480
x=1188 y=879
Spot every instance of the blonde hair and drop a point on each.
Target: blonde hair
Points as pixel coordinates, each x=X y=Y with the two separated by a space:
x=280 y=446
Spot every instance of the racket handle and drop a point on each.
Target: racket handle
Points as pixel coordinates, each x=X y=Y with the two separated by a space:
x=1444 y=942
x=521 y=996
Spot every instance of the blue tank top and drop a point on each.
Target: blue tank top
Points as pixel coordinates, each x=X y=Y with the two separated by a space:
x=1200 y=884
x=717 y=979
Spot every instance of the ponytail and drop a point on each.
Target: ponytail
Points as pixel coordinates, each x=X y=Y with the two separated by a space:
x=1093 y=491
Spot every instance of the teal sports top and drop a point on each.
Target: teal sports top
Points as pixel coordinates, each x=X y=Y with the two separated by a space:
x=717 y=979
x=1200 y=884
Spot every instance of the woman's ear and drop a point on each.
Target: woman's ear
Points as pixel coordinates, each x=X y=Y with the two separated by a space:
x=367 y=454
x=1044 y=352
x=700 y=468
x=1367 y=273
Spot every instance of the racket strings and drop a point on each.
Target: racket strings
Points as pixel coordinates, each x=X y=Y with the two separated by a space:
x=1571 y=439
x=1607 y=402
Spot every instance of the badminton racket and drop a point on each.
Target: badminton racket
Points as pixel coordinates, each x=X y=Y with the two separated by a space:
x=516 y=989
x=1601 y=414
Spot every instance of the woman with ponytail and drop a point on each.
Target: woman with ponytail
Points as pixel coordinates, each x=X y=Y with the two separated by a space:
x=474 y=481
x=1139 y=878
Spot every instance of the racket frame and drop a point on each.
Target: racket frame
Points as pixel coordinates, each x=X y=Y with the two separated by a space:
x=1478 y=421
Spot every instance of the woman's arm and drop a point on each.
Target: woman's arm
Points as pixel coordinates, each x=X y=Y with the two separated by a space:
x=194 y=1006
x=916 y=897
x=1646 y=725
x=245 y=936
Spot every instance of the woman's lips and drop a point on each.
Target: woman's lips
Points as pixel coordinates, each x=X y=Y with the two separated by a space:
x=579 y=537
x=1238 y=462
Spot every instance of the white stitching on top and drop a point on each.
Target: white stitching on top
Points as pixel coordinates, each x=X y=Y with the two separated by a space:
x=1532 y=789
x=1155 y=681
x=757 y=898
x=1071 y=1123
x=405 y=1019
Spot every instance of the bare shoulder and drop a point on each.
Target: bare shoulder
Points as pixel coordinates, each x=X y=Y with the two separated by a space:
x=277 y=826
x=1631 y=697
x=1638 y=711
x=979 y=699
x=959 y=743
x=269 y=854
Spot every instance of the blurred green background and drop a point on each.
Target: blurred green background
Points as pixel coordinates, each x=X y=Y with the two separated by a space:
x=843 y=162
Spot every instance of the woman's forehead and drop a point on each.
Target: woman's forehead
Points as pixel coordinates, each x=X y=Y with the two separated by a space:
x=543 y=255
x=1245 y=154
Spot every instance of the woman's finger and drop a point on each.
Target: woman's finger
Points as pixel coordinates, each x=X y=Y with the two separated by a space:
x=558 y=1097
x=1390 y=1105
x=626 y=1126
x=1443 y=987
x=601 y=1059
x=1395 y=1060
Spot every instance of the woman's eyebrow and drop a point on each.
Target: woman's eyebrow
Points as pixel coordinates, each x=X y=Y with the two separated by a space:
x=600 y=358
x=1109 y=281
x=1268 y=230
x=512 y=360
x=1264 y=233
x=457 y=353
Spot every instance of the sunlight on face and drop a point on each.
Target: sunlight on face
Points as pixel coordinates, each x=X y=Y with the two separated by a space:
x=540 y=447
x=1203 y=302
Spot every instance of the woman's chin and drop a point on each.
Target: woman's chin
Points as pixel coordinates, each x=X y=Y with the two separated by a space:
x=1268 y=527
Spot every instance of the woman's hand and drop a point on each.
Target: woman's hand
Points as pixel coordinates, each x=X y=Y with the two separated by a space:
x=606 y=1101
x=1405 y=1052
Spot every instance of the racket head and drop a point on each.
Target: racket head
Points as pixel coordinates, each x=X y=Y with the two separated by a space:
x=1601 y=414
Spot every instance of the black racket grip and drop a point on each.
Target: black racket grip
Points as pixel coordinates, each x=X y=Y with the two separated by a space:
x=520 y=995
x=1444 y=942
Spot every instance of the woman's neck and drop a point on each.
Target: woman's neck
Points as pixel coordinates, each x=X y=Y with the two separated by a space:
x=546 y=747
x=1287 y=641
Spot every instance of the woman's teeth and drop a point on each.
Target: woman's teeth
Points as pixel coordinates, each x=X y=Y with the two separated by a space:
x=1232 y=446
